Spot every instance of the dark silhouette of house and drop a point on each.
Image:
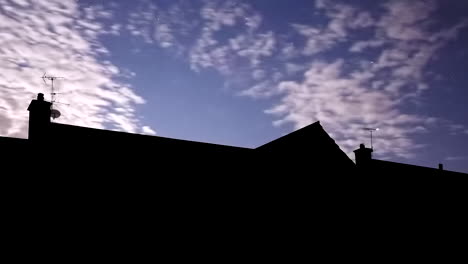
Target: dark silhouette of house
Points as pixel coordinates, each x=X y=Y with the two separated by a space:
x=65 y=146
x=176 y=179
x=368 y=166
x=99 y=188
x=66 y=149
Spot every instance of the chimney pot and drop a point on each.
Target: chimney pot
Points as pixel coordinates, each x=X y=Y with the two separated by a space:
x=39 y=118
x=363 y=156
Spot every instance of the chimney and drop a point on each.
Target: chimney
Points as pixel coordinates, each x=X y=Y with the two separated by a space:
x=363 y=156
x=441 y=166
x=39 y=118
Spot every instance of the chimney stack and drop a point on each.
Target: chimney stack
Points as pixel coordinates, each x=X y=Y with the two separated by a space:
x=363 y=156
x=39 y=118
x=441 y=166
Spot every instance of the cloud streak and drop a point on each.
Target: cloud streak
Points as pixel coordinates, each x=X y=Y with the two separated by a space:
x=63 y=39
x=457 y=158
x=345 y=92
x=349 y=93
x=357 y=67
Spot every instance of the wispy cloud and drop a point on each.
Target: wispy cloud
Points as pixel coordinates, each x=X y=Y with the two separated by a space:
x=457 y=158
x=342 y=19
x=347 y=95
x=61 y=38
x=228 y=54
x=456 y=129
x=223 y=36
x=148 y=131
x=354 y=68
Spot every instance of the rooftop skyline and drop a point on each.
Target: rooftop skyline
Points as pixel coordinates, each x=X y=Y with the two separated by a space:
x=244 y=73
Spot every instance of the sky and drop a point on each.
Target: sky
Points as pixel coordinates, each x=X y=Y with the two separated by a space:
x=244 y=73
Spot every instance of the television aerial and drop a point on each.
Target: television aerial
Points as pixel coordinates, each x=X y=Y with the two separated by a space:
x=371 y=130
x=54 y=113
x=51 y=79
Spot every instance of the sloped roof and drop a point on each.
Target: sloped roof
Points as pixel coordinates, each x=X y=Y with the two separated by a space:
x=394 y=168
x=309 y=143
x=4 y=141
x=86 y=136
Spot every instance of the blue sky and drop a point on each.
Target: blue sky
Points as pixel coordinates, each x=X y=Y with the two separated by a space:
x=243 y=73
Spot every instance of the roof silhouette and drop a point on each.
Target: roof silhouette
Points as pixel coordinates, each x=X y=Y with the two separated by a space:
x=73 y=177
x=309 y=151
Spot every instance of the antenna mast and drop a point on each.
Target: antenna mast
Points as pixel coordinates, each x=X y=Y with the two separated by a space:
x=371 y=130
x=52 y=79
x=54 y=113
